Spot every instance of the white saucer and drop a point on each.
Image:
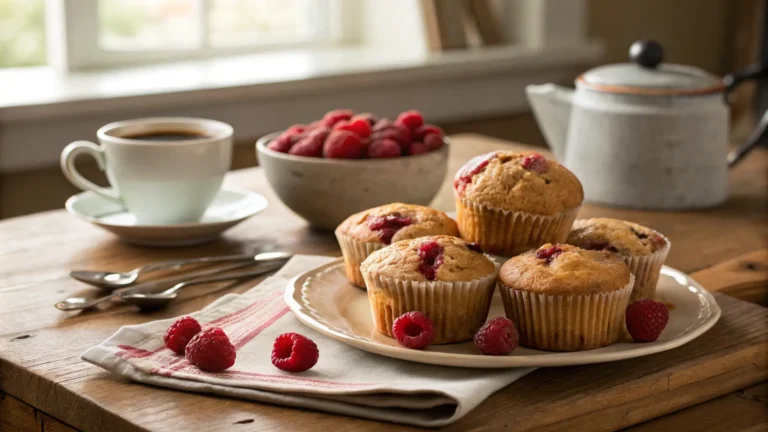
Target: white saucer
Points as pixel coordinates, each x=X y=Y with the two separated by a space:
x=229 y=208
x=324 y=300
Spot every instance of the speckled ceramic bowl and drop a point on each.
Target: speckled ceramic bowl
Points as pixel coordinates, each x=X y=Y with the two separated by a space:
x=327 y=191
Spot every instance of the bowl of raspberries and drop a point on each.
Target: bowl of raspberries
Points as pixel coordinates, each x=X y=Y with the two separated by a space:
x=347 y=162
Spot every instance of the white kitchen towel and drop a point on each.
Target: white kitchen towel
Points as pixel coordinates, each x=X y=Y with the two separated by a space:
x=345 y=380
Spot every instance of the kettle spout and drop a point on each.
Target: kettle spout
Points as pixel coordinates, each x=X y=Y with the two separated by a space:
x=552 y=108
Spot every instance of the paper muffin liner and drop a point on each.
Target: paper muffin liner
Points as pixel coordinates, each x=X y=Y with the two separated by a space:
x=567 y=322
x=510 y=233
x=647 y=269
x=457 y=309
x=355 y=252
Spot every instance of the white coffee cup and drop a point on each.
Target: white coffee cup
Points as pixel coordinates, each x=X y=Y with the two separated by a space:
x=164 y=170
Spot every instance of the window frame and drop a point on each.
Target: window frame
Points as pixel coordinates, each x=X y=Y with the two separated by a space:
x=72 y=28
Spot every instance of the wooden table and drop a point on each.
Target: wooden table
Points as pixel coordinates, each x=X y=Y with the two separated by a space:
x=45 y=386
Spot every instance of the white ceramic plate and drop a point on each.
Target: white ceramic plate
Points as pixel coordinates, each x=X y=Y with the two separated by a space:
x=229 y=208
x=323 y=299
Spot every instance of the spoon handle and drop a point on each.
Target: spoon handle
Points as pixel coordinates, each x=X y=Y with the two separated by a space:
x=176 y=263
x=260 y=270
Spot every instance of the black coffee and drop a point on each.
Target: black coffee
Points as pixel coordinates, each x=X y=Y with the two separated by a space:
x=166 y=136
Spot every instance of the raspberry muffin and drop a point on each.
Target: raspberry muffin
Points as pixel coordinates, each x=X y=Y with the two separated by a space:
x=643 y=249
x=446 y=278
x=362 y=233
x=511 y=202
x=564 y=298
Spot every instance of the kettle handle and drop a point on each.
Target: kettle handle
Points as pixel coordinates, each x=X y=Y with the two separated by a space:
x=731 y=81
x=753 y=71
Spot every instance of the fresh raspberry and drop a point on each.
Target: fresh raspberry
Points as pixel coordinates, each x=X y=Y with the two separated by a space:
x=536 y=163
x=358 y=126
x=475 y=166
x=497 y=337
x=384 y=148
x=332 y=117
x=293 y=352
x=433 y=141
x=281 y=144
x=410 y=119
x=431 y=254
x=394 y=132
x=342 y=144
x=211 y=350
x=315 y=124
x=646 y=319
x=474 y=247
x=382 y=124
x=311 y=145
x=549 y=253
x=372 y=119
x=180 y=332
x=427 y=129
x=417 y=148
x=413 y=330
x=294 y=130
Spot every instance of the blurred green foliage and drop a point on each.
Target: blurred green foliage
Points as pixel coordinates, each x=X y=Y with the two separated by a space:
x=22 y=33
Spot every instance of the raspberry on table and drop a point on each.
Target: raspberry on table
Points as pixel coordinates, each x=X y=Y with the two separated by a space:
x=343 y=144
x=410 y=119
x=536 y=163
x=180 y=333
x=211 y=351
x=384 y=148
x=497 y=337
x=646 y=319
x=293 y=352
x=413 y=330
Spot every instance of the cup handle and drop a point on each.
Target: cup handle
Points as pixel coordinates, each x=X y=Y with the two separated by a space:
x=70 y=172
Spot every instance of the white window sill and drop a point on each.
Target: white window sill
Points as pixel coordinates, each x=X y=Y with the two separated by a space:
x=41 y=111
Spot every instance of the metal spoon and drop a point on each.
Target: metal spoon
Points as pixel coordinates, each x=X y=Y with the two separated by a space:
x=152 y=301
x=77 y=303
x=112 y=280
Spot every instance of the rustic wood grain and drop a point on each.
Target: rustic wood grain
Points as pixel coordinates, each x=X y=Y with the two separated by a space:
x=40 y=346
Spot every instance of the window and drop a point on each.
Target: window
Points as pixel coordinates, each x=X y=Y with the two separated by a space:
x=97 y=33
x=22 y=33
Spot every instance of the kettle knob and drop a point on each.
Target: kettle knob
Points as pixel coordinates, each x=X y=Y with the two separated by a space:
x=646 y=53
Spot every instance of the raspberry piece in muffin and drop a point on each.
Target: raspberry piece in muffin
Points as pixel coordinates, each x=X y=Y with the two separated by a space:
x=388 y=225
x=475 y=166
x=536 y=163
x=437 y=275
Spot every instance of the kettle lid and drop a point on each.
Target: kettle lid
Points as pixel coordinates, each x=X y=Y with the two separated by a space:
x=646 y=75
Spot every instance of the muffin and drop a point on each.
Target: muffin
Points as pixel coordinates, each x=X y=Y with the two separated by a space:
x=362 y=233
x=446 y=278
x=510 y=202
x=564 y=298
x=643 y=249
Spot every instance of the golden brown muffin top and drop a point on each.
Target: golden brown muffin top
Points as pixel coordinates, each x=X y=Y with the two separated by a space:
x=565 y=269
x=440 y=258
x=623 y=237
x=524 y=182
x=397 y=221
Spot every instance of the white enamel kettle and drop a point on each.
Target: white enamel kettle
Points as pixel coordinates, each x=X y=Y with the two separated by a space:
x=644 y=135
